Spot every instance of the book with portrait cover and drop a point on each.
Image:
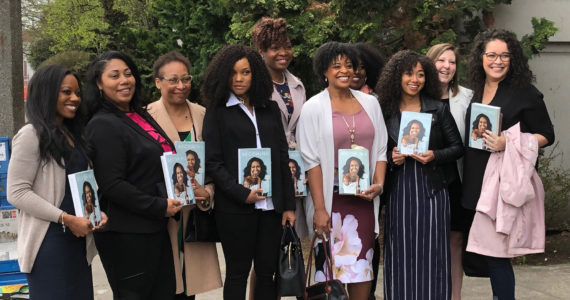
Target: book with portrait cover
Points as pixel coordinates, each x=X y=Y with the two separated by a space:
x=483 y=117
x=84 y=193
x=254 y=169
x=195 y=158
x=353 y=171
x=414 y=133
x=297 y=168
x=178 y=183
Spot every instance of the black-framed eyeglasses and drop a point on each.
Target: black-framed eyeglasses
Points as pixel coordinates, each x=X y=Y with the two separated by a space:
x=174 y=80
x=492 y=56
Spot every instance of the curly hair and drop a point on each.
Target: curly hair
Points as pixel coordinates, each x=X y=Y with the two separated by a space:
x=389 y=87
x=196 y=160
x=409 y=127
x=478 y=118
x=95 y=97
x=184 y=175
x=269 y=31
x=297 y=167
x=519 y=73
x=41 y=103
x=346 y=167
x=327 y=54
x=217 y=79
x=247 y=169
x=172 y=56
x=435 y=52
x=372 y=61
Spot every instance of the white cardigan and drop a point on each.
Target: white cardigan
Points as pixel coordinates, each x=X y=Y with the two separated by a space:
x=458 y=106
x=316 y=143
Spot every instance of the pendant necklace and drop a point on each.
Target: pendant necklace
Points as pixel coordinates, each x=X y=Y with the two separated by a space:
x=350 y=131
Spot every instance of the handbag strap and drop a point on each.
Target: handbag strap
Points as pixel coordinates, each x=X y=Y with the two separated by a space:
x=327 y=262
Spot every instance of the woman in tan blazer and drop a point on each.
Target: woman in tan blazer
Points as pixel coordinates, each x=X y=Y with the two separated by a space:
x=182 y=120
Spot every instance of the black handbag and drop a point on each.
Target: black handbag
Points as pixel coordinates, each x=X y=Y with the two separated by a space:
x=331 y=289
x=201 y=226
x=291 y=268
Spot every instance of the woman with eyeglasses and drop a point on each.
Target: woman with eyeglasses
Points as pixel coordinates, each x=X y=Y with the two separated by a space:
x=181 y=120
x=126 y=147
x=501 y=77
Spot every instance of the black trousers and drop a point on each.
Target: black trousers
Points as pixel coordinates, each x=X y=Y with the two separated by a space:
x=139 y=266
x=245 y=238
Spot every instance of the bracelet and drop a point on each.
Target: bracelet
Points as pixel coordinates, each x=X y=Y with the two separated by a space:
x=62 y=222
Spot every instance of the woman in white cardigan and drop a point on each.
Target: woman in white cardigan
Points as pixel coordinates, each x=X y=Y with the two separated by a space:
x=322 y=130
x=445 y=57
x=55 y=248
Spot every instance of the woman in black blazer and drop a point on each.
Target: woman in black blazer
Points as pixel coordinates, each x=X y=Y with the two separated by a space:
x=127 y=145
x=237 y=88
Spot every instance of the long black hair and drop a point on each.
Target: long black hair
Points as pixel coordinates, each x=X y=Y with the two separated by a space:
x=95 y=97
x=196 y=160
x=519 y=74
x=408 y=127
x=389 y=87
x=297 y=168
x=346 y=167
x=217 y=79
x=184 y=175
x=372 y=61
x=478 y=118
x=247 y=169
x=41 y=103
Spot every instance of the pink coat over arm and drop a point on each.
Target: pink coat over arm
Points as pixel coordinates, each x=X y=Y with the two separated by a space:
x=509 y=220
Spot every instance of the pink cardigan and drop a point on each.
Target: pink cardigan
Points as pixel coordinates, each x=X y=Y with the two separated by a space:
x=509 y=220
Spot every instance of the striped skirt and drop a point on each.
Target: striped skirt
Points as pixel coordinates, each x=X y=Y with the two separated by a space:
x=416 y=242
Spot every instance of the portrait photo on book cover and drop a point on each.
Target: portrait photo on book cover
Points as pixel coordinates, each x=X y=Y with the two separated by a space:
x=254 y=175
x=89 y=204
x=479 y=125
x=354 y=171
x=182 y=185
x=195 y=164
x=414 y=133
x=297 y=169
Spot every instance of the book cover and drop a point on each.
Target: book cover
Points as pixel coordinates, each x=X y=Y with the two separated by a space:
x=254 y=169
x=353 y=171
x=483 y=117
x=414 y=132
x=84 y=193
x=297 y=168
x=178 y=183
x=195 y=153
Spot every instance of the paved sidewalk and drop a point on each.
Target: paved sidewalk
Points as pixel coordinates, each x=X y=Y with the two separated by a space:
x=532 y=283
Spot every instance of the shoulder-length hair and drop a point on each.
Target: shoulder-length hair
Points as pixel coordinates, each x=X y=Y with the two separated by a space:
x=389 y=87
x=95 y=97
x=247 y=169
x=422 y=129
x=478 y=118
x=346 y=167
x=84 y=196
x=435 y=52
x=41 y=103
x=327 y=53
x=217 y=79
x=269 y=31
x=184 y=175
x=372 y=61
x=297 y=168
x=196 y=160
x=519 y=74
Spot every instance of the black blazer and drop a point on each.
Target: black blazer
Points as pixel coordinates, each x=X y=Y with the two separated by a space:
x=126 y=162
x=226 y=129
x=444 y=141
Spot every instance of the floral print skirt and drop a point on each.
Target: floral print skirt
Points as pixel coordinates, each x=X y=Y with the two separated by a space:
x=352 y=241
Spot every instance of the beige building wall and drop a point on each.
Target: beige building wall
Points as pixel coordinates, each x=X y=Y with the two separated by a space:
x=552 y=67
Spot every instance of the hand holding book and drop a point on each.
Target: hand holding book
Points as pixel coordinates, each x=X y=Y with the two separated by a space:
x=424 y=158
x=254 y=196
x=493 y=141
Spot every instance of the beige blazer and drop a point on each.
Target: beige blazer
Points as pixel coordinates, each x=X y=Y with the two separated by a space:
x=201 y=265
x=297 y=90
x=36 y=189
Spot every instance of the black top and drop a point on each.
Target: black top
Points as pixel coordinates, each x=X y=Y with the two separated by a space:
x=444 y=141
x=126 y=162
x=226 y=129
x=524 y=105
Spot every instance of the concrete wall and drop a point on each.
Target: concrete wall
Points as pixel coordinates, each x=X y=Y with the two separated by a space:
x=552 y=67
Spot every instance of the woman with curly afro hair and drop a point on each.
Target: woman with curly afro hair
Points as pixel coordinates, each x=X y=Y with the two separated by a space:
x=237 y=88
x=416 y=241
x=500 y=76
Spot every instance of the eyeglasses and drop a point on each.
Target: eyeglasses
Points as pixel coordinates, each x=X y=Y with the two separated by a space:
x=492 y=56
x=174 y=80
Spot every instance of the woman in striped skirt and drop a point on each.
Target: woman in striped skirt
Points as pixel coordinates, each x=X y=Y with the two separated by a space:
x=416 y=257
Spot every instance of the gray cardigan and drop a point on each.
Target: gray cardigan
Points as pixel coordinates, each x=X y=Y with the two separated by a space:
x=37 y=190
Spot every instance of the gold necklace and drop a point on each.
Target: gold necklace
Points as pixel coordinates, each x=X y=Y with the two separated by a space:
x=350 y=131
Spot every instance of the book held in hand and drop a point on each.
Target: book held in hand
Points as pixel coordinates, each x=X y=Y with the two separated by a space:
x=353 y=171
x=297 y=168
x=254 y=172
x=483 y=117
x=178 y=183
x=414 y=133
x=195 y=159
x=84 y=193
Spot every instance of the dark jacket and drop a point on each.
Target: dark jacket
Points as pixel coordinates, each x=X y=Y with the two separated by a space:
x=444 y=141
x=226 y=129
x=126 y=162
